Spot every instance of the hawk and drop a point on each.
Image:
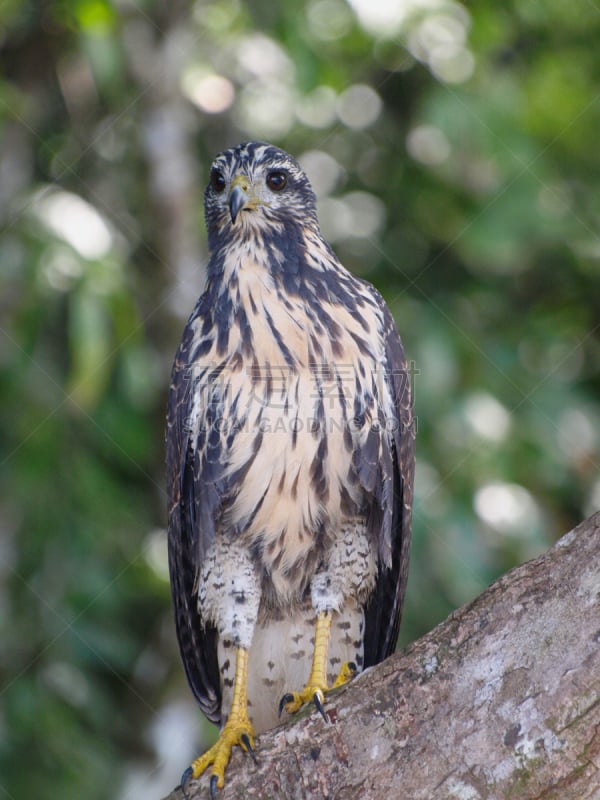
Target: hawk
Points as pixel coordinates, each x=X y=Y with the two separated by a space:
x=290 y=461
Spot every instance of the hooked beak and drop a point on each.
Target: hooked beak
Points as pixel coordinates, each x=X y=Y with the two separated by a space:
x=237 y=200
x=239 y=196
x=243 y=196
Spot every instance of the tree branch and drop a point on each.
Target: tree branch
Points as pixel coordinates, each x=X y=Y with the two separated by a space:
x=502 y=700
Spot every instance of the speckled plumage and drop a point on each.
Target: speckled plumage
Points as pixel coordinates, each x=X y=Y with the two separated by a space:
x=290 y=449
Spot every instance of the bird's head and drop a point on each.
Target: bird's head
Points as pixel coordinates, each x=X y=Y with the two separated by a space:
x=253 y=187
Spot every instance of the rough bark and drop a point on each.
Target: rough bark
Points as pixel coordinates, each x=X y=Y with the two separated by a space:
x=502 y=700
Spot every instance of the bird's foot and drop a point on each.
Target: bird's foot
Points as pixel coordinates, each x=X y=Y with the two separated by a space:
x=293 y=701
x=238 y=730
x=314 y=692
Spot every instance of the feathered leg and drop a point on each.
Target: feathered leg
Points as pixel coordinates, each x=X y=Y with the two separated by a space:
x=229 y=596
x=347 y=579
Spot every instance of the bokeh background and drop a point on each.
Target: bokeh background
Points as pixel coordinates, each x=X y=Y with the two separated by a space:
x=454 y=151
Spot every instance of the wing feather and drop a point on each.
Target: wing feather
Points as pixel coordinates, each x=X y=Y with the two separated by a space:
x=191 y=519
x=384 y=609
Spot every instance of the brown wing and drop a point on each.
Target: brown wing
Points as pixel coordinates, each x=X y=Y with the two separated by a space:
x=188 y=509
x=384 y=609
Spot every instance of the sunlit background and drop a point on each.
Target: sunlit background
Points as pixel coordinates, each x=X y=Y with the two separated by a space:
x=454 y=152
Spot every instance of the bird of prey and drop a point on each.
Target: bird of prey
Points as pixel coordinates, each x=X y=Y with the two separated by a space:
x=290 y=461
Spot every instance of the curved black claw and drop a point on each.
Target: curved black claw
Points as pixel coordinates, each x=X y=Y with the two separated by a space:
x=245 y=740
x=352 y=667
x=213 y=787
x=319 y=705
x=185 y=779
x=287 y=698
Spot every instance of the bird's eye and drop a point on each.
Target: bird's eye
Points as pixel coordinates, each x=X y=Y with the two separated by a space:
x=276 y=180
x=217 y=181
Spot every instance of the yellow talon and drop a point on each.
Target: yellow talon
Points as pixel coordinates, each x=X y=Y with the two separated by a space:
x=347 y=672
x=316 y=686
x=234 y=733
x=238 y=729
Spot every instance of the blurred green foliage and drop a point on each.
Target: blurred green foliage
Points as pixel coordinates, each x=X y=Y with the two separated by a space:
x=454 y=153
